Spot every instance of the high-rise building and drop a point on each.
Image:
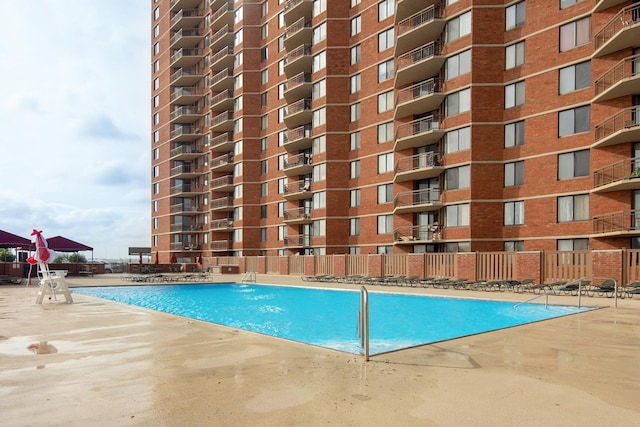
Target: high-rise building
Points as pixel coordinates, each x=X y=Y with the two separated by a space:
x=394 y=126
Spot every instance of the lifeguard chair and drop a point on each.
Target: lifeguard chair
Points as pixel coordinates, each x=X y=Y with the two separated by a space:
x=52 y=283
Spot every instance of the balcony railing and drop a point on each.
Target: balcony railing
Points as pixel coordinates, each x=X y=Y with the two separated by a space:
x=182 y=14
x=422 y=53
x=185 y=110
x=622 y=170
x=417 y=127
x=185 y=32
x=621 y=222
x=425 y=16
x=627 y=119
x=301 y=132
x=300 y=24
x=222 y=160
x=222 y=202
x=186 y=91
x=181 y=208
x=297 y=240
x=626 y=18
x=297 y=107
x=299 y=186
x=299 y=52
x=224 y=181
x=298 y=160
x=220 y=245
x=222 y=140
x=628 y=67
x=297 y=214
x=192 y=72
x=417 y=233
x=419 y=161
x=221 y=224
x=417 y=197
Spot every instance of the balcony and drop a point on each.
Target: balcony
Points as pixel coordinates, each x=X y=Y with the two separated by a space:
x=222 y=59
x=621 y=32
x=300 y=32
x=298 y=113
x=187 y=95
x=419 y=98
x=184 y=246
x=186 y=18
x=620 y=128
x=407 y=8
x=298 y=86
x=222 y=38
x=222 y=204
x=298 y=190
x=621 y=223
x=186 y=76
x=298 y=216
x=417 y=234
x=222 y=17
x=185 y=38
x=222 y=122
x=223 y=101
x=221 y=225
x=185 y=114
x=185 y=152
x=184 y=209
x=184 y=4
x=183 y=133
x=606 y=4
x=222 y=143
x=299 y=138
x=222 y=184
x=186 y=227
x=298 y=165
x=220 y=246
x=419 y=166
x=419 y=64
x=621 y=80
x=186 y=57
x=622 y=175
x=222 y=163
x=424 y=26
x=298 y=60
x=297 y=9
x=186 y=171
x=222 y=81
x=418 y=133
x=185 y=190
x=297 y=241
x=425 y=200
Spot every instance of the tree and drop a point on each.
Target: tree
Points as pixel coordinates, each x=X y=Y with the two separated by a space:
x=6 y=255
x=77 y=258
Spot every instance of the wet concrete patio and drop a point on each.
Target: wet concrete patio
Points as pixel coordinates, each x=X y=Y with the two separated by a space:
x=96 y=362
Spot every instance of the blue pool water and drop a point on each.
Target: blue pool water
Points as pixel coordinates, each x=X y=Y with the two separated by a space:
x=329 y=318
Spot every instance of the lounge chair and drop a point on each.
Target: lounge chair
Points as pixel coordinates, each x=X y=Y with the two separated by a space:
x=606 y=288
x=630 y=290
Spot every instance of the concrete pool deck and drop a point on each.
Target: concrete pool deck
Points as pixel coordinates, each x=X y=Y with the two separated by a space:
x=96 y=362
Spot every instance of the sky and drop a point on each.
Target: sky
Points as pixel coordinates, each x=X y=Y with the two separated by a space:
x=75 y=114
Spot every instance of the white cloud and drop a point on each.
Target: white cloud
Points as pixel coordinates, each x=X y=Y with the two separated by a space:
x=75 y=107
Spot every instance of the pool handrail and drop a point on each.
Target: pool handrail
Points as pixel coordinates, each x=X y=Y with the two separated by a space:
x=363 y=322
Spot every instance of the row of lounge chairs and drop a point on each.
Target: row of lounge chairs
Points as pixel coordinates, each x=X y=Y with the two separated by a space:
x=166 y=278
x=606 y=288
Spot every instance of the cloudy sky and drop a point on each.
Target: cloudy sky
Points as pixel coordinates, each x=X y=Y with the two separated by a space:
x=74 y=102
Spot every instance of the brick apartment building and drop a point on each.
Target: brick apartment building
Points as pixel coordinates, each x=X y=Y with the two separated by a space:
x=395 y=126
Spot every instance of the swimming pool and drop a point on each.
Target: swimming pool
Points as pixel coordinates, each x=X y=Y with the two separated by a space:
x=329 y=318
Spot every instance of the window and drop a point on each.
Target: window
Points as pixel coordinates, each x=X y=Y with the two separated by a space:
x=514 y=213
x=319 y=172
x=264 y=99
x=355 y=112
x=355 y=54
x=457 y=215
x=264 y=166
x=238 y=59
x=456 y=178
x=573 y=208
x=319 y=6
x=355 y=198
x=264 y=8
x=354 y=227
x=156 y=31
x=319 y=228
x=156 y=136
x=356 y=25
x=355 y=169
x=514 y=55
x=319 y=33
x=156 y=13
x=567 y=3
x=319 y=144
x=385 y=132
x=458 y=140
x=156 y=83
x=355 y=3
x=238 y=37
x=575 y=34
x=575 y=77
x=385 y=224
x=156 y=118
x=282 y=183
x=458 y=64
x=263 y=144
x=156 y=188
x=281 y=88
x=574 y=121
x=264 y=122
x=514 y=246
x=459 y=26
x=264 y=53
x=385 y=193
x=573 y=244
x=573 y=165
x=458 y=102
x=514 y=134
x=514 y=94
x=319 y=89
x=281 y=65
x=156 y=48
x=264 y=189
x=385 y=101
x=319 y=200
x=354 y=141
x=514 y=174
x=386 y=40
x=385 y=163
x=319 y=117
x=319 y=61
x=385 y=9
x=515 y=15
x=280 y=43
x=264 y=76
x=356 y=82
x=238 y=15
x=385 y=70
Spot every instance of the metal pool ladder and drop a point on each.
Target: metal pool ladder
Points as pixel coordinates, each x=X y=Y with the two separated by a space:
x=249 y=276
x=363 y=322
